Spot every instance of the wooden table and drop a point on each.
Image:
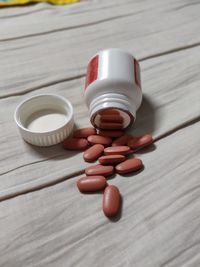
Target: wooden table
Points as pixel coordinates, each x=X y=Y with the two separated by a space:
x=44 y=220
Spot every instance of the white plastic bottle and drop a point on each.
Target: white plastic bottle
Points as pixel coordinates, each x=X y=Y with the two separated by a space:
x=113 y=83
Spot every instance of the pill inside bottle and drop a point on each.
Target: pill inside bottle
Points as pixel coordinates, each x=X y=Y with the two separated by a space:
x=113 y=89
x=111 y=119
x=45 y=120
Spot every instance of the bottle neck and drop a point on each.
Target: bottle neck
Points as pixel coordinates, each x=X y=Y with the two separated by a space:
x=125 y=106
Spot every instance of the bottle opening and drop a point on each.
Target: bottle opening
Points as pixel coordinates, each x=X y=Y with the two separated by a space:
x=112 y=119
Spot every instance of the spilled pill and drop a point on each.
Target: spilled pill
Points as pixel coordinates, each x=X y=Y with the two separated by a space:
x=140 y=142
x=97 y=139
x=111 y=201
x=93 y=153
x=99 y=170
x=121 y=141
x=75 y=143
x=129 y=165
x=112 y=134
x=91 y=183
x=111 y=159
x=84 y=132
x=117 y=150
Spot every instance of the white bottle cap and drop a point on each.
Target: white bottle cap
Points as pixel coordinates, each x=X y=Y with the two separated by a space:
x=45 y=119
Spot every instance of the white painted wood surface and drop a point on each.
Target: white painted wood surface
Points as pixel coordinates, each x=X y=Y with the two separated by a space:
x=56 y=45
x=159 y=224
x=166 y=107
x=44 y=221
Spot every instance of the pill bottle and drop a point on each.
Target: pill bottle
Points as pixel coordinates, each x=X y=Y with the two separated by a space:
x=113 y=89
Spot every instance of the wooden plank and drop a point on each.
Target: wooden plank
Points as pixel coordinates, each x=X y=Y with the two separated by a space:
x=58 y=226
x=171 y=100
x=51 y=44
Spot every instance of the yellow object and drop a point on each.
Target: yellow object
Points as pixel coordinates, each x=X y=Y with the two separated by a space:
x=23 y=2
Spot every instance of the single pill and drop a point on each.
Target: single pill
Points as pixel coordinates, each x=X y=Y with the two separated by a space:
x=140 y=142
x=111 y=201
x=99 y=170
x=91 y=183
x=111 y=159
x=84 y=132
x=112 y=134
x=111 y=118
x=129 y=165
x=75 y=143
x=110 y=125
x=116 y=150
x=109 y=111
x=121 y=141
x=97 y=139
x=93 y=153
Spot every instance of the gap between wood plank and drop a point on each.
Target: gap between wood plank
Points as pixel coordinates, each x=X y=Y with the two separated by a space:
x=43 y=86
x=32 y=163
x=64 y=178
x=70 y=28
x=40 y=187
x=75 y=12
x=171 y=51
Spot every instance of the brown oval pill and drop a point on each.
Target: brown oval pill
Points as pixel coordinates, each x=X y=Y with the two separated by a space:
x=112 y=134
x=109 y=111
x=116 y=150
x=110 y=125
x=75 y=143
x=111 y=159
x=129 y=165
x=97 y=139
x=91 y=183
x=93 y=153
x=111 y=118
x=84 y=132
x=99 y=170
x=121 y=141
x=140 y=142
x=111 y=201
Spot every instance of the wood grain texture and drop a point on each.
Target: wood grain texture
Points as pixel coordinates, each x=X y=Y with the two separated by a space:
x=159 y=226
x=44 y=220
x=53 y=44
x=170 y=85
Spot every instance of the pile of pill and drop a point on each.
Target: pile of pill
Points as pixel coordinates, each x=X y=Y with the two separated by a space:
x=113 y=149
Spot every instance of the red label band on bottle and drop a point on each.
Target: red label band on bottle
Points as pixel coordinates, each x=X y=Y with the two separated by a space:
x=137 y=73
x=92 y=71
